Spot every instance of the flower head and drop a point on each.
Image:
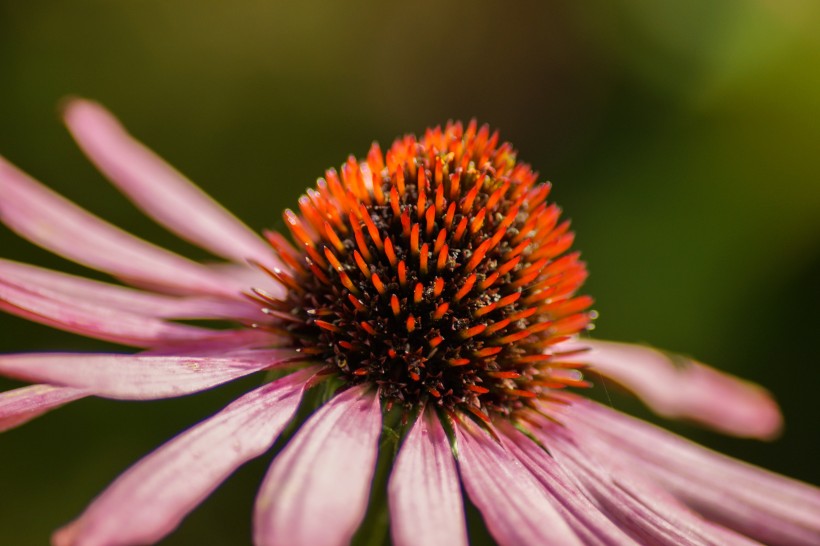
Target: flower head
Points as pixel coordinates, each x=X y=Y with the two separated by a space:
x=426 y=297
x=434 y=273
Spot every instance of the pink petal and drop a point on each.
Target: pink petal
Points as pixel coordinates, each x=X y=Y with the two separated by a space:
x=161 y=191
x=647 y=512
x=748 y=499
x=251 y=277
x=106 y=323
x=515 y=507
x=317 y=489
x=585 y=519
x=137 y=377
x=53 y=284
x=46 y=219
x=21 y=405
x=151 y=498
x=233 y=343
x=687 y=389
x=425 y=498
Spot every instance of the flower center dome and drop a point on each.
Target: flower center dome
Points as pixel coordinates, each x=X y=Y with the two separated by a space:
x=437 y=272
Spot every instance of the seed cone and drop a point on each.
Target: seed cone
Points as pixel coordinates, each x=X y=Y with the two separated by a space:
x=435 y=271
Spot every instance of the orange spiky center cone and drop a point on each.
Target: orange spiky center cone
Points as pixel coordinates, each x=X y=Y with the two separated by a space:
x=437 y=272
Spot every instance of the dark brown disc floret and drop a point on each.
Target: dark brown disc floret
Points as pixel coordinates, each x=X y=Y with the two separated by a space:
x=437 y=272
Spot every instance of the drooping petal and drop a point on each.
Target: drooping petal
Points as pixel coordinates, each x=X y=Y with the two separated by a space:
x=250 y=277
x=317 y=489
x=150 y=499
x=228 y=346
x=761 y=504
x=647 y=512
x=106 y=323
x=516 y=508
x=53 y=284
x=48 y=220
x=424 y=495
x=19 y=406
x=160 y=190
x=588 y=522
x=683 y=388
x=138 y=377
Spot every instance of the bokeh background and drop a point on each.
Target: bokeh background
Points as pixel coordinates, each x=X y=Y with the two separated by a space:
x=682 y=137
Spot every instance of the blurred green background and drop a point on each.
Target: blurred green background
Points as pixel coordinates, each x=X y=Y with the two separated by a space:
x=683 y=139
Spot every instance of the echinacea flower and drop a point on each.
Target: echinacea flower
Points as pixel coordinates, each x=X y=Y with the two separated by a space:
x=426 y=302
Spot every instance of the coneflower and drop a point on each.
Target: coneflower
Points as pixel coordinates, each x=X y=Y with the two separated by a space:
x=435 y=273
x=427 y=297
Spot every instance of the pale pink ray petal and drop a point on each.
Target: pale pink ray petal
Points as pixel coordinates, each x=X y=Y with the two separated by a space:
x=316 y=491
x=424 y=495
x=161 y=191
x=638 y=484
x=769 y=507
x=54 y=223
x=516 y=508
x=682 y=388
x=647 y=512
x=19 y=406
x=229 y=345
x=588 y=522
x=53 y=284
x=139 y=377
x=151 y=499
x=249 y=276
x=108 y=323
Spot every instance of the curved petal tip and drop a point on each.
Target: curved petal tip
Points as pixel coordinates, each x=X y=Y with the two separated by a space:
x=71 y=106
x=678 y=387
